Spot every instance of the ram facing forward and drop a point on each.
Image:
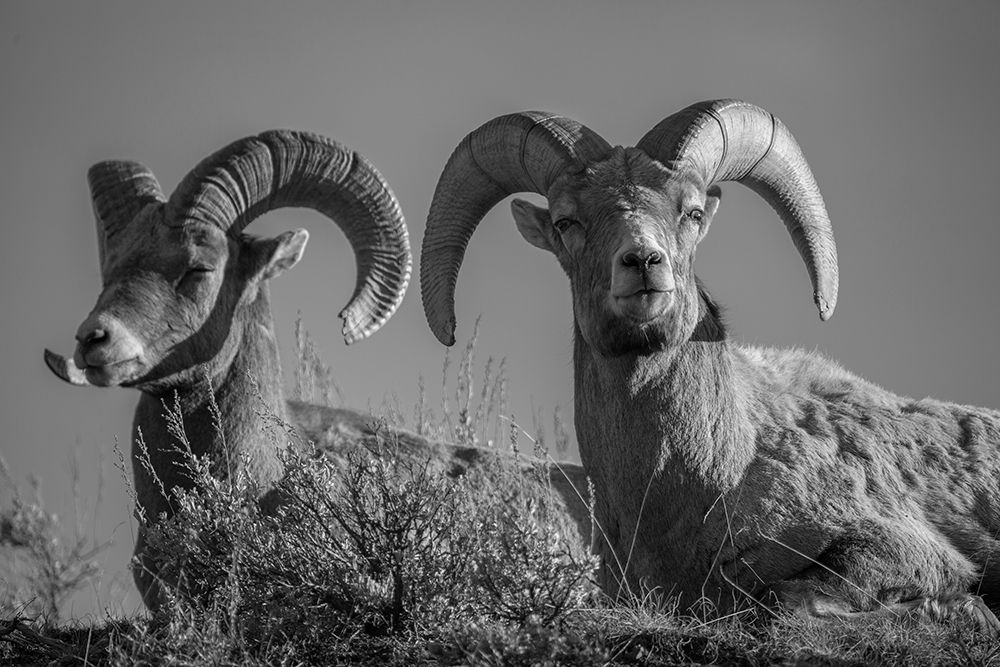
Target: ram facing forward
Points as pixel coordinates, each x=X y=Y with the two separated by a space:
x=723 y=471
x=185 y=302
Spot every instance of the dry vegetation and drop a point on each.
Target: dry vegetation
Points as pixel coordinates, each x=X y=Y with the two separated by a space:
x=386 y=562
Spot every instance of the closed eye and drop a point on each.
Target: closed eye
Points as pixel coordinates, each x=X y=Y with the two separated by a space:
x=193 y=275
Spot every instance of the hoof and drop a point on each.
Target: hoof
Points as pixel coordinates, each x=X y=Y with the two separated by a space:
x=967 y=606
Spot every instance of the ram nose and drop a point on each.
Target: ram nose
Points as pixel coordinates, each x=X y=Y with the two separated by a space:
x=102 y=340
x=641 y=258
x=641 y=267
x=90 y=335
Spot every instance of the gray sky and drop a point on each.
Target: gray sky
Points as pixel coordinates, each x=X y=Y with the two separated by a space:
x=894 y=105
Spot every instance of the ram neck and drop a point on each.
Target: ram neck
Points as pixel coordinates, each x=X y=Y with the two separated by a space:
x=244 y=391
x=680 y=420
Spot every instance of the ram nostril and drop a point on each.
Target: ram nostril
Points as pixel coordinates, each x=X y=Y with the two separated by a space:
x=631 y=259
x=641 y=259
x=92 y=337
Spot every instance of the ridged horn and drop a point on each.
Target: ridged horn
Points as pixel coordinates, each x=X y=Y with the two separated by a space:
x=119 y=189
x=731 y=140
x=280 y=168
x=520 y=152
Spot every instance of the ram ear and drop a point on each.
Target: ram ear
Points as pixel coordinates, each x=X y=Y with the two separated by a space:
x=534 y=223
x=713 y=197
x=283 y=252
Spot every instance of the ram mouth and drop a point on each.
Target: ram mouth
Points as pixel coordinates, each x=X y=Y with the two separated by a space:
x=643 y=305
x=113 y=374
x=103 y=375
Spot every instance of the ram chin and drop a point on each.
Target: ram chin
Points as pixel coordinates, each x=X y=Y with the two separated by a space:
x=643 y=306
x=642 y=325
x=118 y=374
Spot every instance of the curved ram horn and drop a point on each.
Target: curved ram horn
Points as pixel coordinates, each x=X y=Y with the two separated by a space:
x=65 y=369
x=281 y=168
x=119 y=189
x=730 y=140
x=520 y=152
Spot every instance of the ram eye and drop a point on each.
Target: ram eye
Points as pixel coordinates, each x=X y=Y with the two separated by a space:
x=696 y=214
x=562 y=224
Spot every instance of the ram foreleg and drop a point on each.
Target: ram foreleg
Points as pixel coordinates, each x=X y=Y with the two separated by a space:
x=882 y=568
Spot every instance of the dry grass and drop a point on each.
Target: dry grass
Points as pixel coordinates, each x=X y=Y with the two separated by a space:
x=383 y=561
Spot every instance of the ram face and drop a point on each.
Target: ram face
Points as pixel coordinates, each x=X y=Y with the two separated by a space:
x=625 y=231
x=180 y=278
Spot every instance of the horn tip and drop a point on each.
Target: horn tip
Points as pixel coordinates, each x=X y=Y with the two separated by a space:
x=446 y=333
x=62 y=369
x=825 y=307
x=351 y=332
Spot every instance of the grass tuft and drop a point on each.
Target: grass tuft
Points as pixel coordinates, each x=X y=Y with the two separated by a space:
x=377 y=557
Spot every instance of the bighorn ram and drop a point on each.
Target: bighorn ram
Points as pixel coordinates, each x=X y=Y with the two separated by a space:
x=185 y=298
x=721 y=470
